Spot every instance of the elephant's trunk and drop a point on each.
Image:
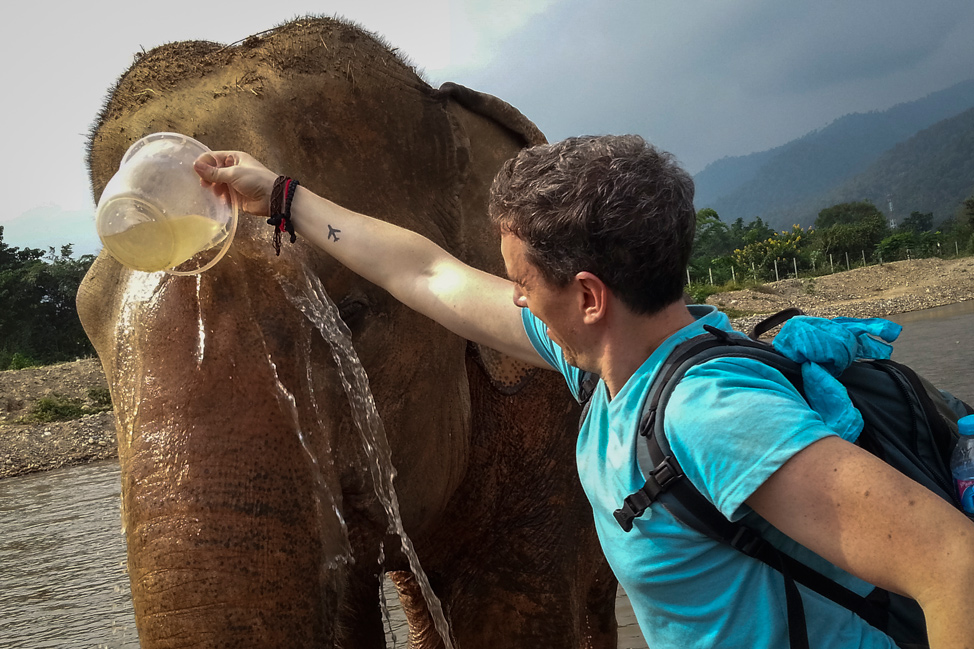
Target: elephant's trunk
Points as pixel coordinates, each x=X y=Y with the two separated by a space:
x=224 y=542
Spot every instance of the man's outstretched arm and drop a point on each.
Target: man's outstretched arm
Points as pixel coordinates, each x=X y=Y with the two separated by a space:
x=469 y=302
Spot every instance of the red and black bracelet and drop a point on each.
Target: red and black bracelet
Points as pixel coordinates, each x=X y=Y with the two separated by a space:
x=280 y=208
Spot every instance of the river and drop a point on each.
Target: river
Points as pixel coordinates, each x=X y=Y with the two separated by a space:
x=62 y=554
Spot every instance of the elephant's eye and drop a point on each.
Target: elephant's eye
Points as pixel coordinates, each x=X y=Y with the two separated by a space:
x=353 y=308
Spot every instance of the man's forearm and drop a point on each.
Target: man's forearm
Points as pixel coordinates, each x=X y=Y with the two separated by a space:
x=385 y=254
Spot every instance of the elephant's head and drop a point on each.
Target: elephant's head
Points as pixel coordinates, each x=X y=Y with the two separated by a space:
x=248 y=500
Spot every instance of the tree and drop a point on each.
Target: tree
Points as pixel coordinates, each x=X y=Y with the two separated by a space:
x=848 y=214
x=852 y=228
x=917 y=222
x=969 y=211
x=742 y=234
x=39 y=319
x=711 y=239
x=789 y=249
x=895 y=246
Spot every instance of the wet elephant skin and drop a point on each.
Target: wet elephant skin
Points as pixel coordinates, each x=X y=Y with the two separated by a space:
x=232 y=541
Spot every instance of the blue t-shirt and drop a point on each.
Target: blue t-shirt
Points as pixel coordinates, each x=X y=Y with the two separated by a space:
x=731 y=423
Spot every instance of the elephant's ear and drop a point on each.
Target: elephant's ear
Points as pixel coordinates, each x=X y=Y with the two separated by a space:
x=495 y=109
x=487 y=131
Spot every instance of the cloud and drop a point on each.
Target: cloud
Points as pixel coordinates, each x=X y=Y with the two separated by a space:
x=801 y=47
x=708 y=78
x=702 y=78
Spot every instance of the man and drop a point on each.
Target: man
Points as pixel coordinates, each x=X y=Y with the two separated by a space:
x=596 y=233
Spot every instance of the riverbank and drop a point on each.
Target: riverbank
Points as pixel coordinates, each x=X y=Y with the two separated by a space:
x=873 y=291
x=30 y=447
x=868 y=292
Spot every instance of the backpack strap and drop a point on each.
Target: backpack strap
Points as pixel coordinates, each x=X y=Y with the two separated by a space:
x=773 y=321
x=663 y=471
x=587 y=383
x=667 y=484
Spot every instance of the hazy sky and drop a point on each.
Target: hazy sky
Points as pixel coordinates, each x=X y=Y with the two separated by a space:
x=701 y=78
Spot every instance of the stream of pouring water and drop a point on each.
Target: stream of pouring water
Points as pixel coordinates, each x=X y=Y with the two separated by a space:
x=314 y=303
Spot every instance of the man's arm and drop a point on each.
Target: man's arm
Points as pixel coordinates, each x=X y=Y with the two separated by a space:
x=872 y=521
x=471 y=303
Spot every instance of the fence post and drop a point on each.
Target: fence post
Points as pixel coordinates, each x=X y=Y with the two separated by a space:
x=711 y=270
x=831 y=263
x=733 y=275
x=863 y=257
x=688 y=276
x=754 y=271
x=776 y=278
x=795 y=260
x=848 y=266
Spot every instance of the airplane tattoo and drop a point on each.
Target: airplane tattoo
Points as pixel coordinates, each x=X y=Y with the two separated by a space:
x=332 y=233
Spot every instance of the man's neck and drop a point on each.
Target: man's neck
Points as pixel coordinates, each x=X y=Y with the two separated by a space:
x=631 y=338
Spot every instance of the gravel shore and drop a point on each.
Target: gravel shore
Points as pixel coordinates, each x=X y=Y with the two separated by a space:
x=873 y=291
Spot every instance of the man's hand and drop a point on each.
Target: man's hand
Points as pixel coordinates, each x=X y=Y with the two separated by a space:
x=239 y=174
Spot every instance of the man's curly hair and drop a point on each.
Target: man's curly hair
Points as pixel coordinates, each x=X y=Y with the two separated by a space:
x=614 y=206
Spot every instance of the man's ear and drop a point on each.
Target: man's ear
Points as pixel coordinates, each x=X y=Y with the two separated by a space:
x=593 y=295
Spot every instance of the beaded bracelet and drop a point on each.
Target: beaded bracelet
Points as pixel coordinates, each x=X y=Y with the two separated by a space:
x=280 y=209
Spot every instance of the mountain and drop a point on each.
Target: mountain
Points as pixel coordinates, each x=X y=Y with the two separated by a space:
x=933 y=171
x=783 y=185
x=50 y=226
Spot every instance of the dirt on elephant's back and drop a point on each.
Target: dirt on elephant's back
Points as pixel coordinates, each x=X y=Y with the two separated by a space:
x=164 y=68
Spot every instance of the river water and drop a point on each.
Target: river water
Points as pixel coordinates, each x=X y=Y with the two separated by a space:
x=62 y=554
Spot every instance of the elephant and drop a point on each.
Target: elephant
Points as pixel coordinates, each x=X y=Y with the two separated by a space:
x=236 y=535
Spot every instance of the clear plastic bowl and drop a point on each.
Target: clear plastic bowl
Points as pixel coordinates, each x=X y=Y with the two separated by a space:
x=153 y=214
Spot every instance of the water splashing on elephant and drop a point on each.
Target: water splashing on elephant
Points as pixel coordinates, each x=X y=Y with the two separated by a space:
x=321 y=489
x=313 y=301
x=201 y=340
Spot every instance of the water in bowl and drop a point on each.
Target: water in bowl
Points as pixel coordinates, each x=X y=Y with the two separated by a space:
x=152 y=246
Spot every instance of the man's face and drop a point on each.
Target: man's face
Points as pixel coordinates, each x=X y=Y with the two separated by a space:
x=551 y=304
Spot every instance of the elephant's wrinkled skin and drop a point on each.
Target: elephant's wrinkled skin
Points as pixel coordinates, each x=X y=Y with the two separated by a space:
x=224 y=542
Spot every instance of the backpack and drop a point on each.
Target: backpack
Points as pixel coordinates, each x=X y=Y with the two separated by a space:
x=908 y=423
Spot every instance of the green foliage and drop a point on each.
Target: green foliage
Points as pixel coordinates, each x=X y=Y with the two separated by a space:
x=39 y=321
x=856 y=230
x=58 y=407
x=54 y=408
x=700 y=291
x=895 y=246
x=715 y=242
x=845 y=214
x=100 y=397
x=756 y=230
x=711 y=238
x=787 y=248
x=851 y=228
x=917 y=222
x=18 y=361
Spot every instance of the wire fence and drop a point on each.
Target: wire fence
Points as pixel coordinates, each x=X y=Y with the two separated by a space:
x=810 y=266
